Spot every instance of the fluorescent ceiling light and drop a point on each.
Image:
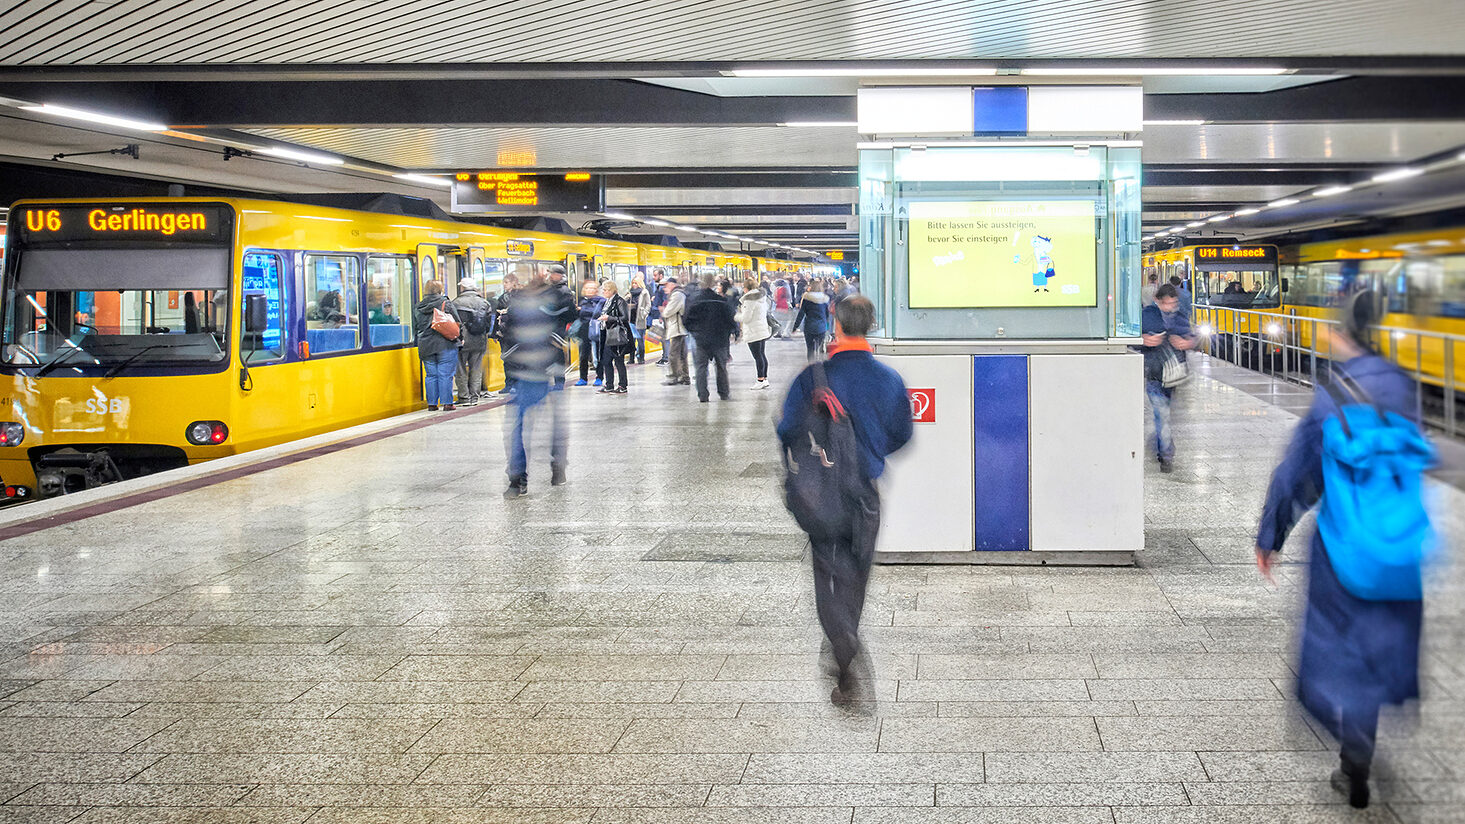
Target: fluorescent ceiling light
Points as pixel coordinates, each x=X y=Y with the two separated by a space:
x=655 y=223
x=685 y=228
x=618 y=216
x=1332 y=190
x=425 y=180
x=1217 y=218
x=1160 y=71
x=820 y=124
x=1177 y=228
x=1195 y=223
x=1396 y=174
x=1245 y=212
x=866 y=71
x=1174 y=122
x=1162 y=234
x=303 y=157
x=1286 y=201
x=94 y=117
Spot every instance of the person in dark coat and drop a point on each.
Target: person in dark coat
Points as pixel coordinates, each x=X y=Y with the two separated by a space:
x=814 y=317
x=439 y=354
x=533 y=349
x=617 y=315
x=592 y=306
x=562 y=308
x=712 y=322
x=1357 y=655
x=1166 y=332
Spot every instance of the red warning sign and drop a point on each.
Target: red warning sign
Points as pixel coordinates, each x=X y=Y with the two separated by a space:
x=923 y=405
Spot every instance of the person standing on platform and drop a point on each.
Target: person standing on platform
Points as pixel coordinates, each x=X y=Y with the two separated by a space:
x=592 y=306
x=1166 y=333
x=879 y=410
x=617 y=340
x=533 y=348
x=500 y=309
x=477 y=315
x=712 y=323
x=1358 y=653
x=438 y=352
x=658 y=299
x=814 y=317
x=562 y=308
x=1147 y=294
x=639 y=303
x=753 y=320
x=674 y=336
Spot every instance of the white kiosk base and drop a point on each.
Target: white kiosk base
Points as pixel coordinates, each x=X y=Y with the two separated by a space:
x=1025 y=452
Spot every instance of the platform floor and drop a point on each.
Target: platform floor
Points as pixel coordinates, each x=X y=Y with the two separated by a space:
x=376 y=636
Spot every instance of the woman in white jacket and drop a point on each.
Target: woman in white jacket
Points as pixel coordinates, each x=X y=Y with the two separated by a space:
x=753 y=318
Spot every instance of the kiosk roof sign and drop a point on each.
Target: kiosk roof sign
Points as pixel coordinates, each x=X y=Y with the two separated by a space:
x=509 y=192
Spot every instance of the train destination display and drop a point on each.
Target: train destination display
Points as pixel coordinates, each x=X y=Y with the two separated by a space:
x=528 y=192
x=988 y=254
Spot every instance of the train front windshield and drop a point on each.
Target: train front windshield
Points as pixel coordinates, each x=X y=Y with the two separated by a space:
x=114 y=308
x=1253 y=288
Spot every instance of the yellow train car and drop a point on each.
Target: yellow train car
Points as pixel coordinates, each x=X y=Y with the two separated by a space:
x=147 y=334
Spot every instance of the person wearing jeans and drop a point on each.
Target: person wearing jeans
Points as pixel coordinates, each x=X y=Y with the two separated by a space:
x=1166 y=334
x=439 y=354
x=814 y=317
x=531 y=343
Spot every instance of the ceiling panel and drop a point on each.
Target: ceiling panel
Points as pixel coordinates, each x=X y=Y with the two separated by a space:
x=408 y=31
x=628 y=147
x=1214 y=194
x=671 y=198
x=1301 y=142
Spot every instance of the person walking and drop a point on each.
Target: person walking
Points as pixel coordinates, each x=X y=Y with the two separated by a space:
x=879 y=411
x=753 y=321
x=562 y=308
x=658 y=299
x=617 y=340
x=814 y=317
x=533 y=351
x=439 y=353
x=783 y=307
x=1166 y=333
x=673 y=316
x=477 y=318
x=1186 y=302
x=592 y=306
x=639 y=302
x=1358 y=653
x=712 y=323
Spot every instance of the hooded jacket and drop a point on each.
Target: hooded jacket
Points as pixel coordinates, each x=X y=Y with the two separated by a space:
x=429 y=342
x=813 y=314
x=753 y=316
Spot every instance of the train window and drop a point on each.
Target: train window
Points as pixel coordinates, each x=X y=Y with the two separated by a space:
x=332 y=316
x=261 y=276
x=491 y=276
x=389 y=300
x=1450 y=294
x=116 y=308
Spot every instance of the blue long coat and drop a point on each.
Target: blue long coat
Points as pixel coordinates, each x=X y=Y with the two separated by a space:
x=1357 y=655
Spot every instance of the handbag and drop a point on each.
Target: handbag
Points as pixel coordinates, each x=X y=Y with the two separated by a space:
x=443 y=323
x=1175 y=371
x=616 y=336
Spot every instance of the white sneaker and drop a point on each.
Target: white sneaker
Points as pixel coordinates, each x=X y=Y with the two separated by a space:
x=761 y=385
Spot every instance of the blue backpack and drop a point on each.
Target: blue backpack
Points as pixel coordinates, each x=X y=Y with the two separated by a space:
x=1372 y=521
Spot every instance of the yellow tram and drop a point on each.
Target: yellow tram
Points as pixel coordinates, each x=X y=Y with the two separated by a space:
x=147 y=334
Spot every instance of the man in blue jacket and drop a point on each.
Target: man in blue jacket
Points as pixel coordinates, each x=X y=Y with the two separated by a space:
x=1166 y=333
x=879 y=408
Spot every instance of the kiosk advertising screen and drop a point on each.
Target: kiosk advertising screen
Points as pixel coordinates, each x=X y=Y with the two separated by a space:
x=1005 y=253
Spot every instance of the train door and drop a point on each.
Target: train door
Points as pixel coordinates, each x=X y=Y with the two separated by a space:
x=577 y=271
x=428 y=267
x=477 y=272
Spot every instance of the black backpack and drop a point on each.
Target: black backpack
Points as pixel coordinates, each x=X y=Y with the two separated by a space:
x=822 y=475
x=478 y=321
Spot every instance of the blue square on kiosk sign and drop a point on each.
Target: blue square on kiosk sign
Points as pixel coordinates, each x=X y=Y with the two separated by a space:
x=1000 y=110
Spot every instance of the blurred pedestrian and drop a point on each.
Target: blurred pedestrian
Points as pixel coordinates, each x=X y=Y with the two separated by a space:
x=1167 y=336
x=1360 y=633
x=439 y=352
x=876 y=406
x=753 y=314
x=711 y=321
x=674 y=336
x=814 y=317
x=532 y=355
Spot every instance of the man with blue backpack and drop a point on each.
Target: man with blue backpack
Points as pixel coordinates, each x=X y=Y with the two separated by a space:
x=1360 y=452
x=840 y=421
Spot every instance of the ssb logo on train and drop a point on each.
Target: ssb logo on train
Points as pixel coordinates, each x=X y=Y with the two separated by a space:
x=102 y=405
x=923 y=405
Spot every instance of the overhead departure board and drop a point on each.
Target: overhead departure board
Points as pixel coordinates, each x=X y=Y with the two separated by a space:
x=509 y=192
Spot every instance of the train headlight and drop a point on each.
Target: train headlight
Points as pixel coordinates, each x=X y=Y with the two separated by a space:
x=1274 y=329
x=207 y=433
x=1206 y=329
x=11 y=434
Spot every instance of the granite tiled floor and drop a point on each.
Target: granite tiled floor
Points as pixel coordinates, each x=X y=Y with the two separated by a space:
x=376 y=636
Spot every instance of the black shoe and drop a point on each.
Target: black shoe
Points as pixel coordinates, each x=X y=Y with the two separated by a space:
x=1167 y=466
x=621 y=391
x=704 y=400
x=432 y=407
x=449 y=408
x=557 y=476
x=1354 y=788
x=724 y=397
x=518 y=487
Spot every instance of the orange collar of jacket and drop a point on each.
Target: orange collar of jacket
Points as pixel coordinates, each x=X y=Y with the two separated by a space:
x=850 y=345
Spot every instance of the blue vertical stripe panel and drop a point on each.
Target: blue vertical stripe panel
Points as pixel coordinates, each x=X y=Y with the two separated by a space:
x=1000 y=415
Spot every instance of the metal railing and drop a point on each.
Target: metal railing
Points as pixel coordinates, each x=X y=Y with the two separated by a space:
x=1290 y=347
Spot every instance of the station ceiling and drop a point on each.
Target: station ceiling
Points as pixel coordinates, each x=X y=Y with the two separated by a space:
x=695 y=115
